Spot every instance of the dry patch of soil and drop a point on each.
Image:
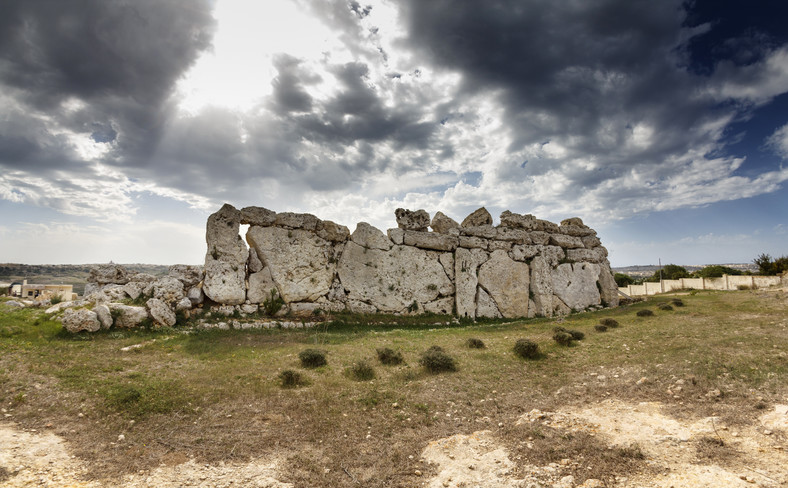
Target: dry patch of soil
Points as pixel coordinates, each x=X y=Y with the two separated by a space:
x=42 y=459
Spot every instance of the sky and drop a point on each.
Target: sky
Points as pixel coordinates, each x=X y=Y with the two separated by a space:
x=125 y=123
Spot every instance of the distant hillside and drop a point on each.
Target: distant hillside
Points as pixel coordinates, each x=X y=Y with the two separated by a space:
x=67 y=274
x=639 y=271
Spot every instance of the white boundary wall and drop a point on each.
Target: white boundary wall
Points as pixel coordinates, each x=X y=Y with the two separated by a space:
x=726 y=282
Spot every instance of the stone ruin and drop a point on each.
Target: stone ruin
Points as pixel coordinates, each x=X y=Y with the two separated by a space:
x=524 y=267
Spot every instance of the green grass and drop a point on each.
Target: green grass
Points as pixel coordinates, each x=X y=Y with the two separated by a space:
x=217 y=395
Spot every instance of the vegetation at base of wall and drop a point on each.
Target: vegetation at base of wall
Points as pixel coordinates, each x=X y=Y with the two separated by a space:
x=273 y=304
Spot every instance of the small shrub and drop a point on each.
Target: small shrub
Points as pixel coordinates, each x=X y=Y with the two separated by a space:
x=576 y=334
x=475 y=343
x=362 y=371
x=527 y=349
x=55 y=300
x=291 y=379
x=665 y=306
x=677 y=301
x=600 y=328
x=645 y=313
x=389 y=356
x=435 y=360
x=611 y=323
x=563 y=338
x=273 y=304
x=743 y=287
x=312 y=358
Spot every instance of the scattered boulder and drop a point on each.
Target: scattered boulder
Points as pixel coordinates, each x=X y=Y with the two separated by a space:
x=127 y=316
x=80 y=320
x=105 y=274
x=478 y=217
x=410 y=220
x=259 y=216
x=442 y=224
x=104 y=315
x=186 y=274
x=160 y=312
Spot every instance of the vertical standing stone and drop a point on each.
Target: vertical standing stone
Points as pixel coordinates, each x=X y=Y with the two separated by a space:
x=225 y=261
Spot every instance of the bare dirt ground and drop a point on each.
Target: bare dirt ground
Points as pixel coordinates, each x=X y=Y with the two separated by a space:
x=682 y=454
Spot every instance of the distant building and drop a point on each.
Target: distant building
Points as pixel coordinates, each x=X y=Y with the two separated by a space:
x=15 y=290
x=42 y=292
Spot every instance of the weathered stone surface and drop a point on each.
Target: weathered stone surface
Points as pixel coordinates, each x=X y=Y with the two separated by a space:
x=447 y=261
x=517 y=236
x=575 y=230
x=485 y=305
x=410 y=220
x=134 y=288
x=430 y=240
x=565 y=241
x=259 y=216
x=470 y=242
x=443 y=306
x=248 y=308
x=225 y=261
x=260 y=286
x=225 y=282
x=607 y=284
x=79 y=320
x=553 y=254
x=546 y=226
x=391 y=281
x=104 y=274
x=500 y=246
x=517 y=221
x=573 y=221
x=183 y=304
x=560 y=308
x=397 y=235
x=54 y=308
x=195 y=295
x=370 y=237
x=478 y=217
x=104 y=316
x=524 y=253
x=591 y=242
x=15 y=304
x=596 y=255
x=357 y=306
x=167 y=289
x=336 y=294
x=160 y=312
x=466 y=264
x=443 y=224
x=301 y=263
x=541 y=287
x=539 y=237
x=127 y=316
x=293 y=220
x=108 y=293
x=186 y=274
x=507 y=281
x=253 y=264
x=485 y=231
x=575 y=285
x=332 y=232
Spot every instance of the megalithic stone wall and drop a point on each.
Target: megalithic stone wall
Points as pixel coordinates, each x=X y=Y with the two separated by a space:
x=524 y=267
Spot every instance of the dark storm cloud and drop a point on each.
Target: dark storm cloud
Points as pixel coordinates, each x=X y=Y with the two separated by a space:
x=119 y=59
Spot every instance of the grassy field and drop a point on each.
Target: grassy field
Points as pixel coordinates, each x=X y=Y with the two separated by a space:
x=218 y=395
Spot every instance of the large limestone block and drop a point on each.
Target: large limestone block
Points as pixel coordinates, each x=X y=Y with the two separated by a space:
x=485 y=305
x=443 y=224
x=478 y=217
x=524 y=252
x=253 y=264
x=447 y=261
x=470 y=242
x=221 y=235
x=466 y=264
x=539 y=237
x=79 y=320
x=596 y=255
x=517 y=221
x=127 y=316
x=507 y=281
x=104 y=316
x=417 y=220
x=484 y=231
x=302 y=264
x=591 y=242
x=134 y=288
x=546 y=226
x=397 y=236
x=260 y=286
x=332 y=231
x=565 y=241
x=259 y=216
x=441 y=306
x=160 y=312
x=393 y=280
x=430 y=240
x=187 y=274
x=517 y=236
x=167 y=289
x=575 y=284
x=607 y=285
x=104 y=274
x=541 y=287
x=293 y=220
x=371 y=237
x=225 y=282
x=575 y=227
